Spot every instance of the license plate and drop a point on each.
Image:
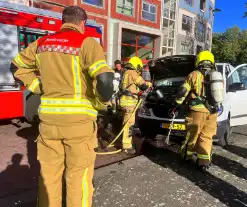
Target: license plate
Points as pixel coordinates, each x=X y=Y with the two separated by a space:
x=180 y=127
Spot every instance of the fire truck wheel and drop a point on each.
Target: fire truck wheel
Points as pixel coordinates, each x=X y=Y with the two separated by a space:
x=31 y=112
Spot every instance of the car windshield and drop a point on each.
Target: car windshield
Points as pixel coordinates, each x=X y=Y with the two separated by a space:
x=170 y=82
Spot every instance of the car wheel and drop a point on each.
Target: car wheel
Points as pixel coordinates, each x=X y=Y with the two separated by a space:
x=224 y=140
x=31 y=110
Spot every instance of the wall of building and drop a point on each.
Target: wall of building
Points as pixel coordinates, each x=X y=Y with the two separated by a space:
x=168 y=39
x=204 y=16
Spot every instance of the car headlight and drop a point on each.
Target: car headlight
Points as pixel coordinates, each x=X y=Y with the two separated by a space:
x=144 y=111
x=220 y=110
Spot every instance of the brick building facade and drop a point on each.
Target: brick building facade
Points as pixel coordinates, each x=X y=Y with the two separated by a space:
x=129 y=27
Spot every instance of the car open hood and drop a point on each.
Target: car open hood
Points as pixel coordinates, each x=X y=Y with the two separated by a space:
x=171 y=66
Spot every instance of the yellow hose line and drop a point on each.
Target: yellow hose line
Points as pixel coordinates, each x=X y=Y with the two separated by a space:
x=108 y=153
x=119 y=134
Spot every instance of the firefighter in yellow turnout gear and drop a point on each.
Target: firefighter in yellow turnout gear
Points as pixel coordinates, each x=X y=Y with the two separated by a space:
x=76 y=82
x=201 y=122
x=132 y=83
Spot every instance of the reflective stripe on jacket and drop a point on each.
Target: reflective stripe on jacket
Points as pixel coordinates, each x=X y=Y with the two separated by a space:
x=68 y=63
x=194 y=82
x=131 y=82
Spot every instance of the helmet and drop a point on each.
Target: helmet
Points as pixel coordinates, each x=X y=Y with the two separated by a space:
x=205 y=62
x=135 y=63
x=205 y=56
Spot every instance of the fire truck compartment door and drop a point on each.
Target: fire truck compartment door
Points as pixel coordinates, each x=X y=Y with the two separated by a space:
x=9 y=49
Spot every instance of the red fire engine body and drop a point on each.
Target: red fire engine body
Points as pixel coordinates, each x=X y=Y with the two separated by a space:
x=19 y=26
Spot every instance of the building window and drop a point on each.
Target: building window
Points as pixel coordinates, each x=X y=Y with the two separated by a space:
x=101 y=26
x=169 y=16
x=184 y=49
x=98 y=3
x=199 y=48
x=201 y=32
x=210 y=13
x=125 y=7
x=202 y=5
x=149 y=11
x=189 y=2
x=137 y=44
x=187 y=23
x=209 y=34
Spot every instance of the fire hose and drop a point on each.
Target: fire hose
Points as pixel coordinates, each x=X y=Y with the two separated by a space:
x=143 y=97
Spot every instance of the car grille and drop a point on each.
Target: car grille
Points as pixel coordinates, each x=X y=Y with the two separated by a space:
x=164 y=111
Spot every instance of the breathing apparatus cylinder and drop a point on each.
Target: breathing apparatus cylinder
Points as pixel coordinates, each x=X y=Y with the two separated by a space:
x=217 y=87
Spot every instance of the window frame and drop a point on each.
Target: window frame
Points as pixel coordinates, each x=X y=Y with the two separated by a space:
x=192 y=3
x=92 y=5
x=203 y=32
x=209 y=33
x=156 y=10
x=202 y=3
x=191 y=24
x=182 y=44
x=136 y=46
x=133 y=7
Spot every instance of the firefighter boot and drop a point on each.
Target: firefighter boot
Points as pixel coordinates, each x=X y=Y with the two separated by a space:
x=127 y=140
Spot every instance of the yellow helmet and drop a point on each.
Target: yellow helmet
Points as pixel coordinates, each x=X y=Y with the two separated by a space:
x=136 y=63
x=205 y=56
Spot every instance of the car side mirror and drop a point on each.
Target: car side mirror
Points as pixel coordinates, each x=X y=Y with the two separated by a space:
x=236 y=87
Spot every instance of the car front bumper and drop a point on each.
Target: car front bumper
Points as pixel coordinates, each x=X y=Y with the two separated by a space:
x=155 y=127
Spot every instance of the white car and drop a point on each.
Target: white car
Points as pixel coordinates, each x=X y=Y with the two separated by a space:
x=168 y=74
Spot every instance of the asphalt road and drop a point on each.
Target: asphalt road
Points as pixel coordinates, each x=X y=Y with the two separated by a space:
x=157 y=178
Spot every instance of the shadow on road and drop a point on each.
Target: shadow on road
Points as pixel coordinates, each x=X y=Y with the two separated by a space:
x=231 y=166
x=238 y=133
x=31 y=134
x=241 y=152
x=15 y=180
x=214 y=186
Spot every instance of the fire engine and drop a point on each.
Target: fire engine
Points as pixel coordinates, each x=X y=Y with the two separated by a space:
x=19 y=26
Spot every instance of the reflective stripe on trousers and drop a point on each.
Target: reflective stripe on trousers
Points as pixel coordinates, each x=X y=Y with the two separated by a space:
x=85 y=188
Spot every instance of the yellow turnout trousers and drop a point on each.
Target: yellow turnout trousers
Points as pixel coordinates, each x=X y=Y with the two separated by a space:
x=127 y=133
x=201 y=127
x=67 y=150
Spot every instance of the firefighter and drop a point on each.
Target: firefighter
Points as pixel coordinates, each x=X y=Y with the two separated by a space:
x=76 y=82
x=201 y=120
x=131 y=84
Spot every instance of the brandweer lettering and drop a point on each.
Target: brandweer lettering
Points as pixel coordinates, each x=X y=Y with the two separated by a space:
x=57 y=40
